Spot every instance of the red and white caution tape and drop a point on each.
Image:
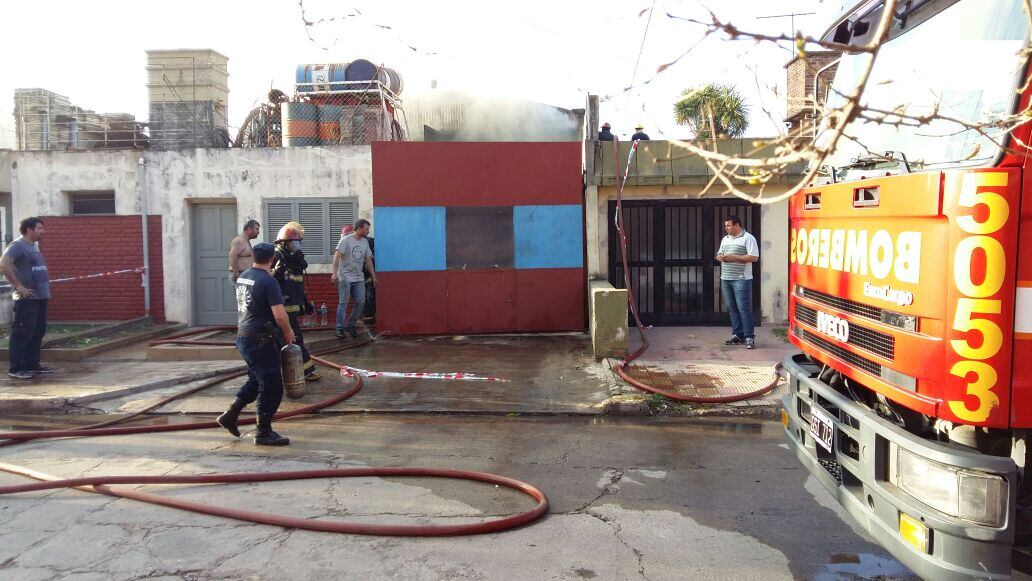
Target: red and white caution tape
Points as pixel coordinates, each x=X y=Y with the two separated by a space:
x=138 y=269
x=455 y=376
x=97 y=275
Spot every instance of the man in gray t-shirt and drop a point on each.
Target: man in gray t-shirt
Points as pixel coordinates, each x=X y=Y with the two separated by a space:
x=23 y=265
x=351 y=255
x=738 y=251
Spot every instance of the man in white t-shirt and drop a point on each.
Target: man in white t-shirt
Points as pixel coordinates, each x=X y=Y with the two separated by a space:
x=351 y=255
x=738 y=251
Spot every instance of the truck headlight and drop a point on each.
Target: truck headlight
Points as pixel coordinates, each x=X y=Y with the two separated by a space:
x=967 y=494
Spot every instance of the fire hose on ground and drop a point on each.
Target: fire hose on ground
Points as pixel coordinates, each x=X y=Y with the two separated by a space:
x=621 y=368
x=103 y=484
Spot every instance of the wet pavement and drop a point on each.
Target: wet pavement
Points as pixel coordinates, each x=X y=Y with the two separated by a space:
x=694 y=361
x=547 y=374
x=631 y=498
x=77 y=385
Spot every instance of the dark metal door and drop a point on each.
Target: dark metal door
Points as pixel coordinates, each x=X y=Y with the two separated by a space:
x=671 y=253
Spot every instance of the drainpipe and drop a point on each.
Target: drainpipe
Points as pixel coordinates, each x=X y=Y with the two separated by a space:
x=15 y=198
x=146 y=238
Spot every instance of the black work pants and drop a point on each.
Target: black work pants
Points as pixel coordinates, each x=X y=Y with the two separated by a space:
x=30 y=324
x=299 y=340
x=264 y=374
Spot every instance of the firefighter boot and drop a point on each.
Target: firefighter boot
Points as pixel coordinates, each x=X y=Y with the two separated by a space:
x=228 y=419
x=265 y=435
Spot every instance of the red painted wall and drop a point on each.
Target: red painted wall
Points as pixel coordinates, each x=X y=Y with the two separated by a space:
x=484 y=301
x=80 y=245
x=414 y=173
x=479 y=300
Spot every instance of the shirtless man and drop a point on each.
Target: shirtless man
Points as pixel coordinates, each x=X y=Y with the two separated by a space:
x=240 y=255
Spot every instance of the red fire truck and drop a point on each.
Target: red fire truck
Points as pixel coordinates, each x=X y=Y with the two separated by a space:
x=911 y=292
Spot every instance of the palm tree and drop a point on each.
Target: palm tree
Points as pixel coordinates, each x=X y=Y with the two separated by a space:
x=718 y=106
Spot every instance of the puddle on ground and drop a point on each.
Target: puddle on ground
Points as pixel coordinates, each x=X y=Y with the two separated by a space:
x=34 y=423
x=862 y=566
x=698 y=383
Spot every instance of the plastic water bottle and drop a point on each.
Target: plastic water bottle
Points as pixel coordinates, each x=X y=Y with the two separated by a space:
x=322 y=315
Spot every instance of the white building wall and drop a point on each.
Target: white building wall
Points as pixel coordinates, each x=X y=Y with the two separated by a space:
x=177 y=179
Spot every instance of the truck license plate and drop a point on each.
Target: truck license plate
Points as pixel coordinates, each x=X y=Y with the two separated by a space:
x=821 y=428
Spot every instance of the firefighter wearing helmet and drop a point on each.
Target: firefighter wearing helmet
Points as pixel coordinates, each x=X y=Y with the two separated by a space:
x=288 y=268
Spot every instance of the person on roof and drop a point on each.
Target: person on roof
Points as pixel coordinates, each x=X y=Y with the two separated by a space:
x=639 y=133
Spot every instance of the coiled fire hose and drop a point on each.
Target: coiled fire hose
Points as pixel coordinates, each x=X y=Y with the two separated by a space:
x=621 y=368
x=103 y=484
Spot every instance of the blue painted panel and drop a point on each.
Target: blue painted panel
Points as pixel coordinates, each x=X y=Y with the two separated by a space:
x=548 y=236
x=410 y=238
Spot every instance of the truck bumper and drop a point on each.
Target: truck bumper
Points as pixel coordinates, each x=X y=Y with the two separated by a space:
x=856 y=475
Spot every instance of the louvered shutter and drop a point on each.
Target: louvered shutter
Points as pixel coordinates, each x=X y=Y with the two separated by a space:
x=341 y=214
x=322 y=219
x=312 y=217
x=276 y=215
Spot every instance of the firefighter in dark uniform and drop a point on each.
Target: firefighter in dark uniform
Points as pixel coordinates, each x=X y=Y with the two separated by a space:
x=262 y=330
x=288 y=268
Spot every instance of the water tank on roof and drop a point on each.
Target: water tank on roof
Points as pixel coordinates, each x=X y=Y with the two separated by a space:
x=360 y=70
x=392 y=80
x=325 y=77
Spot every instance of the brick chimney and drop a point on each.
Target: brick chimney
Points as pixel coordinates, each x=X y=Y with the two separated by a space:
x=803 y=106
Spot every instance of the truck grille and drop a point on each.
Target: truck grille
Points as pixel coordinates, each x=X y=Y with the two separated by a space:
x=876 y=342
x=845 y=305
x=851 y=358
x=833 y=468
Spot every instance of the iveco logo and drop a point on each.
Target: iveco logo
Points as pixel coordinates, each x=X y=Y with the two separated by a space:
x=833 y=326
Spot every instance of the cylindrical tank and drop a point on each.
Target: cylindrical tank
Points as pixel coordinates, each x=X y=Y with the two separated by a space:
x=360 y=70
x=329 y=124
x=300 y=124
x=327 y=77
x=391 y=79
x=293 y=371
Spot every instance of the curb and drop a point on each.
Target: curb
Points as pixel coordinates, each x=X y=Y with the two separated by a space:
x=78 y=354
x=15 y=404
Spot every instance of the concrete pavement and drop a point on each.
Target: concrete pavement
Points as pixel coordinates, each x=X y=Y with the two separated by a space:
x=548 y=374
x=648 y=498
x=78 y=385
x=631 y=498
x=694 y=361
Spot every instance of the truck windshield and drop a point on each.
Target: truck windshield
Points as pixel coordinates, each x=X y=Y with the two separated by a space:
x=966 y=60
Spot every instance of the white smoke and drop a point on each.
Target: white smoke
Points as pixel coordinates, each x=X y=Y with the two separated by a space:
x=459 y=117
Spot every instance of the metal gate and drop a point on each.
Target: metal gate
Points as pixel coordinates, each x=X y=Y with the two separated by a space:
x=214 y=226
x=671 y=250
